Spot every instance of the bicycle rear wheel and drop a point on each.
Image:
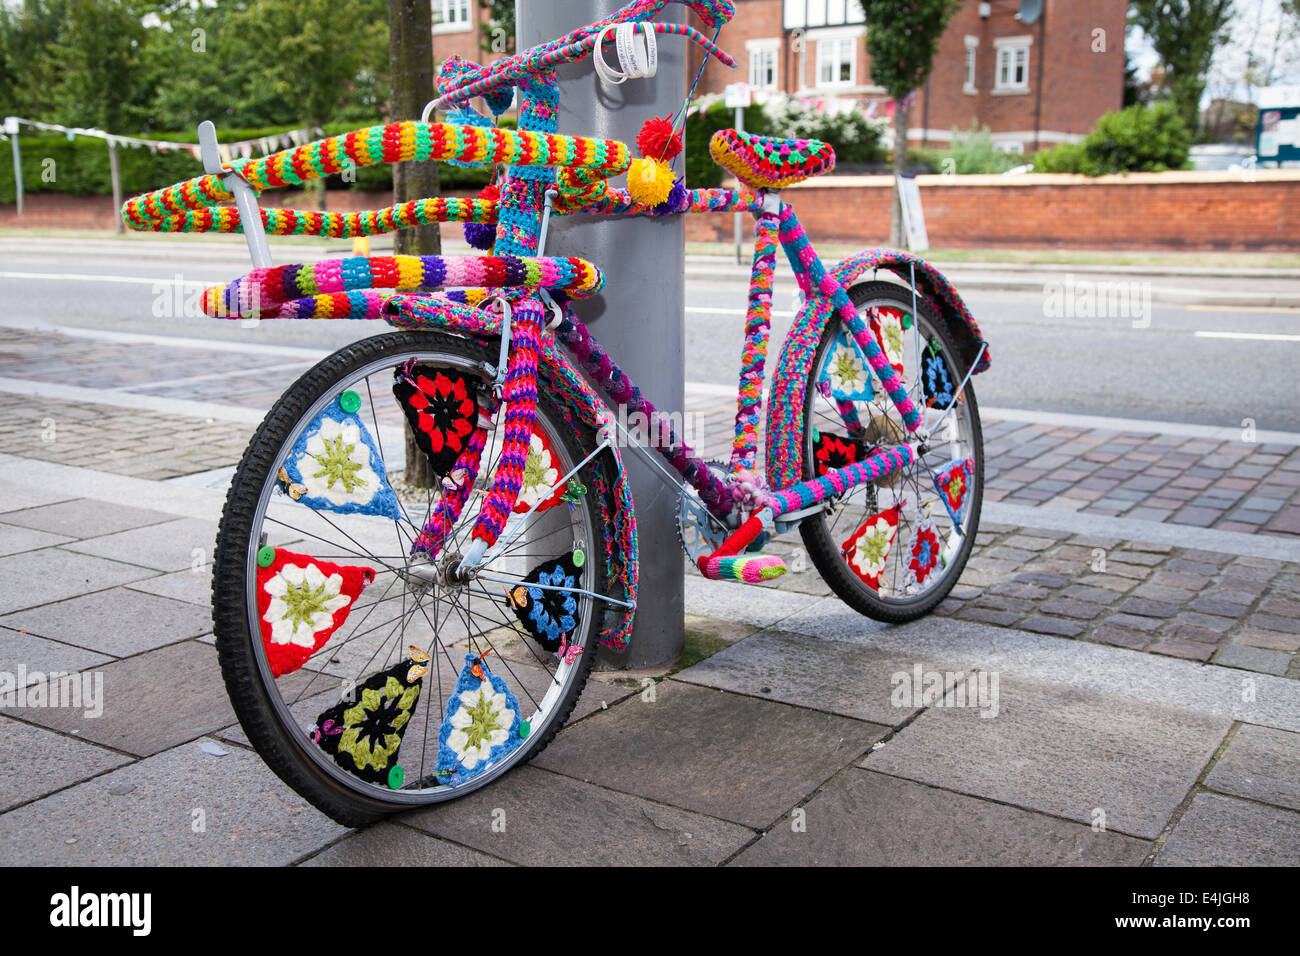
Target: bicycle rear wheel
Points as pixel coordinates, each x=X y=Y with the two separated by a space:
x=370 y=681
x=894 y=548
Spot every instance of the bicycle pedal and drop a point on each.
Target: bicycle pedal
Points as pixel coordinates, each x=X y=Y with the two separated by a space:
x=750 y=568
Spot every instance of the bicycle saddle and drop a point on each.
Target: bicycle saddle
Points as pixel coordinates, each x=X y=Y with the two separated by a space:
x=764 y=162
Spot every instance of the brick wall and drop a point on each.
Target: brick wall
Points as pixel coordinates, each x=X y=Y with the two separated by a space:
x=1170 y=211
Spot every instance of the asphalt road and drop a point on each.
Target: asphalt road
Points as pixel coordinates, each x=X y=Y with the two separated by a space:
x=1187 y=364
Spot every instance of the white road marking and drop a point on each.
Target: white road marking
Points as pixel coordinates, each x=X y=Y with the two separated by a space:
x=127 y=280
x=1242 y=308
x=1250 y=336
x=710 y=310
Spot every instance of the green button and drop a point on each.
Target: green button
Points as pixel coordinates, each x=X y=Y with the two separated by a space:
x=907 y=321
x=265 y=556
x=395 y=777
x=524 y=729
x=579 y=557
x=350 y=402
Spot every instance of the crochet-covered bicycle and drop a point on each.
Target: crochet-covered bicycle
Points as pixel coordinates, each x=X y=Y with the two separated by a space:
x=388 y=646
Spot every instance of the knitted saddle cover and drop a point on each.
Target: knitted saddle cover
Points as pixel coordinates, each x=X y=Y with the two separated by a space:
x=763 y=162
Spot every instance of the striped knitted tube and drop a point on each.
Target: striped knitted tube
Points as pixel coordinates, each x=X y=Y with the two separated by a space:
x=452 y=500
x=839 y=480
x=812 y=277
x=758 y=323
x=620 y=390
x=263 y=290
x=336 y=225
x=519 y=392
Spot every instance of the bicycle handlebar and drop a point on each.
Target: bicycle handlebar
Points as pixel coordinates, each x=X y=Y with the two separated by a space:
x=588 y=160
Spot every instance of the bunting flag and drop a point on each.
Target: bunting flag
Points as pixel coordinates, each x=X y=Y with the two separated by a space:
x=546 y=614
x=541 y=471
x=301 y=601
x=868 y=549
x=441 y=405
x=925 y=550
x=887 y=324
x=935 y=380
x=952 y=483
x=335 y=465
x=481 y=726
x=364 y=732
x=845 y=373
x=833 y=451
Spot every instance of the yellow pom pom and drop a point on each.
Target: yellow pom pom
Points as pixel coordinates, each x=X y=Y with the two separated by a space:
x=649 y=181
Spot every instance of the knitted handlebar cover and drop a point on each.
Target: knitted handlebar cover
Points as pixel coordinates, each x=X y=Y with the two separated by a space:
x=164 y=209
x=279 y=291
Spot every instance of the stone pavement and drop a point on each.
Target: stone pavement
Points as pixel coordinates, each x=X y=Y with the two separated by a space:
x=1080 y=699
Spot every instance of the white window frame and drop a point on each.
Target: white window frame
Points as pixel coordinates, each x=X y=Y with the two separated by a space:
x=1013 y=55
x=972 y=52
x=446 y=19
x=811 y=14
x=761 y=54
x=831 y=49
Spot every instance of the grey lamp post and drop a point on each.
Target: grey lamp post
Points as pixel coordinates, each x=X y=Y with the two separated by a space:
x=639 y=317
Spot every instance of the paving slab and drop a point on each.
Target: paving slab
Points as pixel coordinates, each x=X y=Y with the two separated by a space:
x=537 y=815
x=871 y=819
x=15 y=539
x=1225 y=831
x=1254 y=659
x=840 y=678
x=48 y=762
x=83 y=518
x=170 y=546
x=1063 y=751
x=1260 y=763
x=1218 y=691
x=747 y=604
x=119 y=621
x=15 y=496
x=38 y=655
x=181 y=807
x=152 y=701
x=732 y=757
x=52 y=574
x=190 y=586
x=391 y=845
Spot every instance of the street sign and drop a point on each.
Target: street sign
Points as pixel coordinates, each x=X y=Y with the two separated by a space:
x=738 y=96
x=1277 y=139
x=909 y=194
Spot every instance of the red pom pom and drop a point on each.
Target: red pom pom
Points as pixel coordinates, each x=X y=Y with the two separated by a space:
x=657 y=139
x=492 y=191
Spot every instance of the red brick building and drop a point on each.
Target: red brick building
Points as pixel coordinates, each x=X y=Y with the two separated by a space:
x=1033 y=84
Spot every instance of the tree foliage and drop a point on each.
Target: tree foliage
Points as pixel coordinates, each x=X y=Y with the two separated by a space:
x=1185 y=35
x=902 y=39
x=500 y=24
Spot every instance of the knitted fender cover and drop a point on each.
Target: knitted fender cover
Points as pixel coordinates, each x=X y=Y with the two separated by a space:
x=785 y=416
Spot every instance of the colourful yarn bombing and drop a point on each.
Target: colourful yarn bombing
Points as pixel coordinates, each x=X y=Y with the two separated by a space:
x=658 y=139
x=162 y=209
x=839 y=480
x=364 y=735
x=765 y=162
x=481 y=235
x=867 y=549
x=480 y=726
x=758 y=324
x=650 y=181
x=301 y=601
x=265 y=292
x=750 y=568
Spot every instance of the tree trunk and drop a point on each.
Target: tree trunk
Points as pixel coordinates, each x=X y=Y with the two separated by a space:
x=410 y=62
x=896 y=238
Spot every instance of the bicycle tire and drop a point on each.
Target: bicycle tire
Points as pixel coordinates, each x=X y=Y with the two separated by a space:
x=258 y=700
x=824 y=540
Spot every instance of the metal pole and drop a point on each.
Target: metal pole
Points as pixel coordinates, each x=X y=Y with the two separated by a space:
x=18 y=170
x=116 y=175
x=737 y=226
x=640 y=315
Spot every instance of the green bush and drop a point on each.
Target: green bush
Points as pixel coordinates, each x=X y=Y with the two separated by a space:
x=1139 y=139
x=972 y=152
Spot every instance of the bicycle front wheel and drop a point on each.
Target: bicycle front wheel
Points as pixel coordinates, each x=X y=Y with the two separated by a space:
x=370 y=680
x=893 y=549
